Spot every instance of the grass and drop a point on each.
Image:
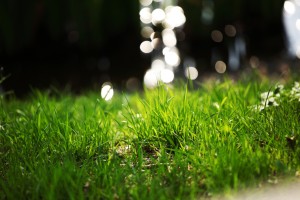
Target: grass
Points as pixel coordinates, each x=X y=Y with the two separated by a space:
x=166 y=143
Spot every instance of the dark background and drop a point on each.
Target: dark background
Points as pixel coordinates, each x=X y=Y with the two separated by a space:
x=81 y=44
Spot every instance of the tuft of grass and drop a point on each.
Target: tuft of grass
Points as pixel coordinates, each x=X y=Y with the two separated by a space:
x=168 y=143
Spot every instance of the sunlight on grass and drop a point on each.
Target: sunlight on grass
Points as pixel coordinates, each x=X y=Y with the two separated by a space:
x=164 y=143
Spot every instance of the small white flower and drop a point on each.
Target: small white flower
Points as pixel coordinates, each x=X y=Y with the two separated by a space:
x=273 y=98
x=296 y=87
x=280 y=87
x=269 y=99
x=266 y=95
x=295 y=92
x=257 y=107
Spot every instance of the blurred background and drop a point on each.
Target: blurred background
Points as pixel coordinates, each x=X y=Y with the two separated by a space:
x=82 y=44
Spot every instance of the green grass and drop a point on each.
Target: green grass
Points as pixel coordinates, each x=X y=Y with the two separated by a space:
x=166 y=143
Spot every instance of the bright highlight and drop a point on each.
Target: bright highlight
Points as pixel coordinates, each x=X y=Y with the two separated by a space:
x=107 y=91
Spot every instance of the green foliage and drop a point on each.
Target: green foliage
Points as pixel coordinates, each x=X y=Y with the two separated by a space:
x=166 y=143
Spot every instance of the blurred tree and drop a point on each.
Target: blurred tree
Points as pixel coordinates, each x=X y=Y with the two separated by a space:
x=92 y=20
x=76 y=34
x=95 y=20
x=16 y=24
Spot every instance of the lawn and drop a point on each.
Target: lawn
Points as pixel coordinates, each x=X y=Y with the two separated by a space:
x=186 y=141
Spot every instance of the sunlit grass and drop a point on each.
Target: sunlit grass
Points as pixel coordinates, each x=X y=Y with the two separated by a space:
x=170 y=142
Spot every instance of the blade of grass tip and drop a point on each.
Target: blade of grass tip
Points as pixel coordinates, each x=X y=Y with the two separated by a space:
x=246 y=91
x=183 y=107
x=185 y=94
x=223 y=101
x=39 y=121
x=129 y=110
x=268 y=95
x=189 y=80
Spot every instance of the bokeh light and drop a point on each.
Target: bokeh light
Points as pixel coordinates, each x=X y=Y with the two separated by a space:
x=191 y=73
x=145 y=2
x=217 y=36
x=146 y=47
x=171 y=56
x=230 y=30
x=165 y=17
x=220 y=67
x=254 y=62
x=169 y=37
x=291 y=21
x=145 y=15
x=158 y=15
x=167 y=75
x=289 y=7
x=147 y=31
x=158 y=64
x=298 y=24
x=132 y=84
x=107 y=91
x=233 y=58
x=298 y=52
x=151 y=79
x=156 y=43
x=155 y=35
x=174 y=17
x=158 y=72
x=207 y=14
